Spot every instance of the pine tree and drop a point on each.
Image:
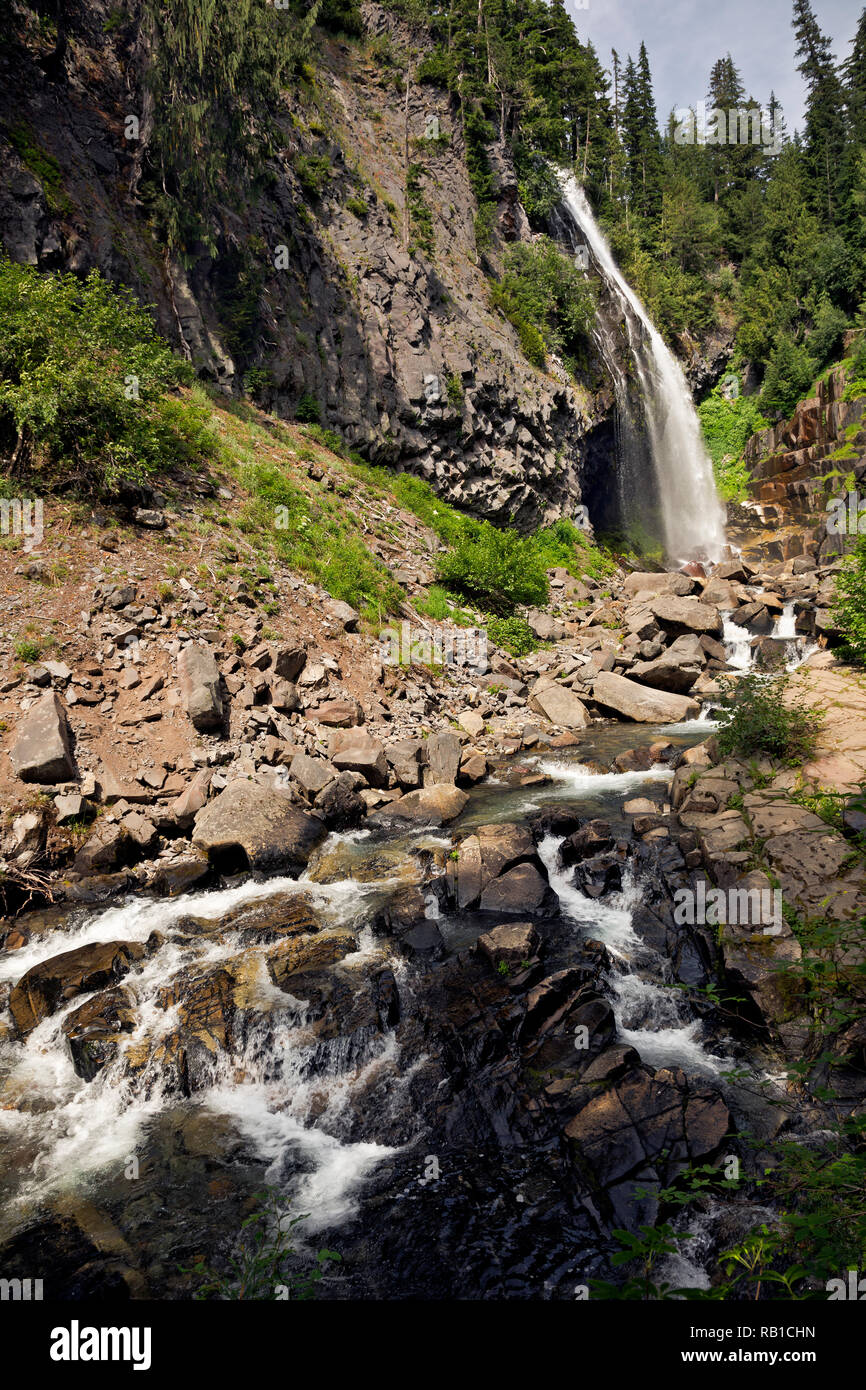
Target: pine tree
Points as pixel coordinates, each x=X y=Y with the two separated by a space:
x=824 y=135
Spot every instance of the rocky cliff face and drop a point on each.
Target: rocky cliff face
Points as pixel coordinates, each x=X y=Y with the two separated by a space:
x=798 y=467
x=311 y=293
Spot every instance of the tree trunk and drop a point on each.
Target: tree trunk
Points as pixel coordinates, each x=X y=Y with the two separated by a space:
x=406 y=159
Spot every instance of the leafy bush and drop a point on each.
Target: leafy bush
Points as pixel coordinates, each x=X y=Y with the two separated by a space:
x=538 y=185
x=850 y=606
x=727 y=425
x=420 y=216
x=358 y=207
x=498 y=569
x=756 y=719
x=513 y=635
x=264 y=1258
x=434 y=603
x=546 y=297
x=84 y=383
x=313 y=171
x=308 y=411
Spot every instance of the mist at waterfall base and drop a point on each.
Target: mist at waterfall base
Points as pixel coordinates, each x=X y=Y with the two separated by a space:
x=664 y=477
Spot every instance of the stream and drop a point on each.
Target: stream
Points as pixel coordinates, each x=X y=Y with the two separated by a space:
x=338 y=1038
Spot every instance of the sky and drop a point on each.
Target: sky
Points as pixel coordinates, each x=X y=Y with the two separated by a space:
x=685 y=37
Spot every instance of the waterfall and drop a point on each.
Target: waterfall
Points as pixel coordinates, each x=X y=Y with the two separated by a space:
x=692 y=517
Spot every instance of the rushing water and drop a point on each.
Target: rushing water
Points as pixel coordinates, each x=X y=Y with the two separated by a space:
x=692 y=517
x=319 y=1112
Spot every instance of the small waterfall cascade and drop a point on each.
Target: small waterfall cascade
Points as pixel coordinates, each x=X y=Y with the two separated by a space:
x=692 y=518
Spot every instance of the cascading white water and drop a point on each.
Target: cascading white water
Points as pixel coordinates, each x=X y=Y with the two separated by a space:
x=650 y=1016
x=284 y=1089
x=693 y=518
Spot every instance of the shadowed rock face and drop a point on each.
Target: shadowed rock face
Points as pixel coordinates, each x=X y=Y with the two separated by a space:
x=410 y=363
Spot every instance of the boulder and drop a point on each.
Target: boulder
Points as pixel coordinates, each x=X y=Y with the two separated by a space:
x=403 y=757
x=433 y=805
x=354 y=751
x=106 y=847
x=50 y=984
x=687 y=614
x=95 y=1029
x=289 y=662
x=338 y=714
x=347 y=616
x=483 y=856
x=659 y=1119
x=560 y=705
x=521 y=889
x=676 y=669
x=513 y=942
x=311 y=774
x=642 y=703
x=443 y=752
x=472 y=722
x=200 y=686
x=667 y=582
x=340 y=804
x=254 y=826
x=42 y=751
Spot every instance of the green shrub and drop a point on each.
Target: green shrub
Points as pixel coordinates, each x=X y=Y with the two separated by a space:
x=434 y=603
x=538 y=185
x=727 y=425
x=308 y=411
x=313 y=171
x=28 y=650
x=85 y=382
x=420 y=216
x=513 y=635
x=498 y=569
x=850 y=605
x=358 y=207
x=756 y=719
x=546 y=297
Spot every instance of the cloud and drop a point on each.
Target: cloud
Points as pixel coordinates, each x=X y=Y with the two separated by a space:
x=685 y=37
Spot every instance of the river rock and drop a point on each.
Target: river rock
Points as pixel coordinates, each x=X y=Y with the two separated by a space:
x=433 y=805
x=443 y=751
x=42 y=751
x=559 y=704
x=484 y=856
x=676 y=669
x=659 y=1119
x=250 y=825
x=687 y=614
x=95 y=1030
x=513 y=942
x=640 y=702
x=521 y=889
x=52 y=983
